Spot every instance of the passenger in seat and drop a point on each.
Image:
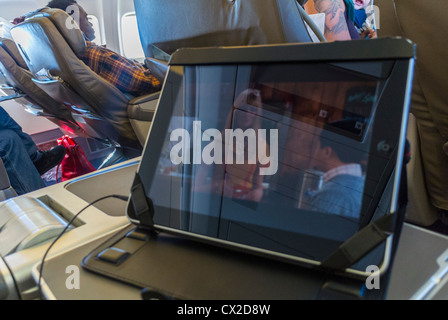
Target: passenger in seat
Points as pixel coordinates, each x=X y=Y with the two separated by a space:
x=343 y=180
x=128 y=76
x=365 y=29
x=23 y=162
x=339 y=16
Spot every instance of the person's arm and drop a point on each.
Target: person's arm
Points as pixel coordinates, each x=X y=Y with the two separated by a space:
x=335 y=24
x=129 y=76
x=369 y=33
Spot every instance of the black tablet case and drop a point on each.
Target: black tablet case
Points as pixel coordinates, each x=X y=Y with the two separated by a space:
x=189 y=267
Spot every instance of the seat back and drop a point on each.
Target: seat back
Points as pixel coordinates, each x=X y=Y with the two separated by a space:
x=420 y=210
x=18 y=78
x=166 y=26
x=429 y=98
x=52 y=46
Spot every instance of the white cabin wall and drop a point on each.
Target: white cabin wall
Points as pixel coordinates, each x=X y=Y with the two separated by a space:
x=13 y=9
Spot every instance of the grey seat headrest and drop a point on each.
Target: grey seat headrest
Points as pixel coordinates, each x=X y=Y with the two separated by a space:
x=67 y=27
x=174 y=24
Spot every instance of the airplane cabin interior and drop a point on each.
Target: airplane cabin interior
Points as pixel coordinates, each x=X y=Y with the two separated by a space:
x=223 y=150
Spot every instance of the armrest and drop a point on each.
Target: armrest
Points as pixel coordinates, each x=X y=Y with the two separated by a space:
x=143 y=108
x=144 y=99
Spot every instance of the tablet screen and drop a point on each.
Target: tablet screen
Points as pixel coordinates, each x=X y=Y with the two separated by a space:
x=271 y=157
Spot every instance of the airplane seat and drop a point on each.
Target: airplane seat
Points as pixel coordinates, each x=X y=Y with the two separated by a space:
x=167 y=26
x=420 y=209
x=17 y=79
x=6 y=190
x=51 y=44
